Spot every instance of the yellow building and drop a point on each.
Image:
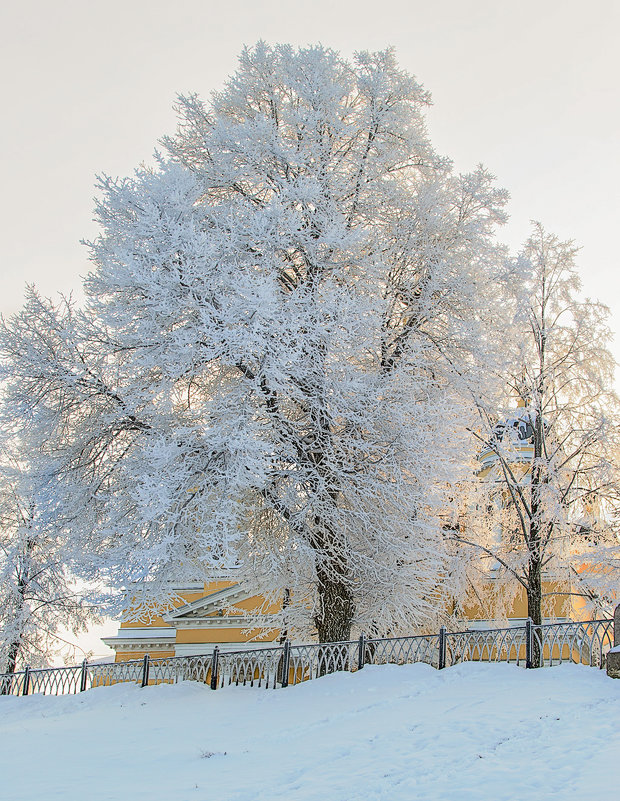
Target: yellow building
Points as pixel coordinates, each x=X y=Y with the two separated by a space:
x=220 y=613
x=559 y=603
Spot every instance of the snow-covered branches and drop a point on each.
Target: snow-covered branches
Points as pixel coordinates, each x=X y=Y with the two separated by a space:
x=266 y=376
x=38 y=599
x=551 y=466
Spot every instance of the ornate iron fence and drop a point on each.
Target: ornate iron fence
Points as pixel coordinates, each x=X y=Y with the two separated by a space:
x=403 y=650
x=585 y=642
x=318 y=659
x=278 y=666
x=251 y=666
x=487 y=645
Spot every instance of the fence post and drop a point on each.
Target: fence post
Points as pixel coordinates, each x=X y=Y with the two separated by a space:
x=442 y=648
x=286 y=661
x=83 y=676
x=26 y=680
x=145 y=670
x=361 y=653
x=214 y=664
x=528 y=643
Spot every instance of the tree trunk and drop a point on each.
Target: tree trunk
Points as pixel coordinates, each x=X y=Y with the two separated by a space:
x=534 y=605
x=534 y=571
x=22 y=583
x=336 y=608
x=537 y=530
x=286 y=600
x=334 y=616
x=534 y=591
x=11 y=663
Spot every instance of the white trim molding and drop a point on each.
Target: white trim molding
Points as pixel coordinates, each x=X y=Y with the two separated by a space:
x=206 y=648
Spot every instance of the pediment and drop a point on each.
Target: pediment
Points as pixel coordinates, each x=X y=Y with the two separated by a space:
x=209 y=605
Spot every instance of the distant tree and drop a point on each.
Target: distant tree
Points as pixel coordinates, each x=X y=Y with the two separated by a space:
x=550 y=502
x=38 y=600
x=265 y=377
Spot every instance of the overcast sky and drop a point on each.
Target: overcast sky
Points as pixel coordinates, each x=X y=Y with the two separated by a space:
x=530 y=89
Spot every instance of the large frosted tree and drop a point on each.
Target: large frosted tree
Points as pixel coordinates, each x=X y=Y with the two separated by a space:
x=265 y=378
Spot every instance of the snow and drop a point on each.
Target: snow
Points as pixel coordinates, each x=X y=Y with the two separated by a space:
x=474 y=731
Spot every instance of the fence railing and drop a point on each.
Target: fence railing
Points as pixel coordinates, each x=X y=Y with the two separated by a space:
x=279 y=666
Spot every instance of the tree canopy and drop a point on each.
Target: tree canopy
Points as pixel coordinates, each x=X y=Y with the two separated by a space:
x=267 y=379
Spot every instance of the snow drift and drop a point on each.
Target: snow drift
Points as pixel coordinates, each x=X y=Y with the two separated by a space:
x=474 y=731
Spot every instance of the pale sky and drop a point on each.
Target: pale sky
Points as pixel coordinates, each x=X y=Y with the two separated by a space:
x=528 y=88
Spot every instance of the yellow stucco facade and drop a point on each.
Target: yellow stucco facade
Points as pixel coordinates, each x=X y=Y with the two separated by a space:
x=200 y=617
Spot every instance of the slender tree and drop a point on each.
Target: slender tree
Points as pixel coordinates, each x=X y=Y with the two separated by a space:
x=38 y=600
x=265 y=377
x=548 y=505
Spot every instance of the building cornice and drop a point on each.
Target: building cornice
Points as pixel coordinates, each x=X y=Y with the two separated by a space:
x=140 y=643
x=225 y=622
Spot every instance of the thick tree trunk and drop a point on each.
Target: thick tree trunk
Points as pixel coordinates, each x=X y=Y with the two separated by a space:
x=336 y=609
x=336 y=605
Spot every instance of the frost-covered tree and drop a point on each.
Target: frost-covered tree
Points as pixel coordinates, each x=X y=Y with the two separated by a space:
x=38 y=600
x=266 y=374
x=548 y=505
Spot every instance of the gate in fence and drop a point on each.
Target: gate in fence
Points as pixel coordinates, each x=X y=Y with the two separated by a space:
x=580 y=642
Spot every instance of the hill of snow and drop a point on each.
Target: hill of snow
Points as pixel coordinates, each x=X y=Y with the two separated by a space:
x=473 y=731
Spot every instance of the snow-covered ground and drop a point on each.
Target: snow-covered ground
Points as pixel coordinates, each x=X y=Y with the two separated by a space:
x=474 y=731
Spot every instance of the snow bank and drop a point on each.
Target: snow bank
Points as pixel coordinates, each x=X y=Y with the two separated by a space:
x=474 y=731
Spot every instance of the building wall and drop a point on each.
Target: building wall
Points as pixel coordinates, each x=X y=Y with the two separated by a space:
x=557 y=603
x=137 y=637
x=128 y=656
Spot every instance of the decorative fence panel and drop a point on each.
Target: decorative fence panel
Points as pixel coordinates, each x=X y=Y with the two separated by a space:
x=115 y=673
x=584 y=643
x=403 y=650
x=318 y=659
x=487 y=645
x=256 y=666
x=60 y=681
x=179 y=668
